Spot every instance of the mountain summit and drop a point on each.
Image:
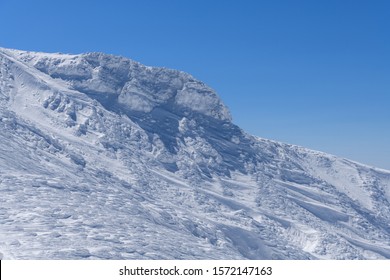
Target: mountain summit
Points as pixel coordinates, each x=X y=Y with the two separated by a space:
x=102 y=157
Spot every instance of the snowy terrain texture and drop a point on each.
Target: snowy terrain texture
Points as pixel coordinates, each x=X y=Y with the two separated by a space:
x=102 y=157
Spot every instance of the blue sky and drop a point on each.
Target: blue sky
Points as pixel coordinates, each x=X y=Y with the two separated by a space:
x=311 y=73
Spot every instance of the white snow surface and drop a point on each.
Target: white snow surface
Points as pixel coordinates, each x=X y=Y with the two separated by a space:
x=104 y=158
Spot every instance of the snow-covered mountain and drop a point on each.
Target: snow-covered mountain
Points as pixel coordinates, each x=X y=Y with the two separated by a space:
x=102 y=157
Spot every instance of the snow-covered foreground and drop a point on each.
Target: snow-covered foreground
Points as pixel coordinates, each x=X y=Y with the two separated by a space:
x=104 y=158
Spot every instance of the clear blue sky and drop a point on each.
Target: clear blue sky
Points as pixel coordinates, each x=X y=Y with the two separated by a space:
x=312 y=73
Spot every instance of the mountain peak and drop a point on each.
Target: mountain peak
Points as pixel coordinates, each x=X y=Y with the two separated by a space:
x=121 y=82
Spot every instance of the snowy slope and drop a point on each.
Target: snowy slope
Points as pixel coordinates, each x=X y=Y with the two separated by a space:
x=102 y=157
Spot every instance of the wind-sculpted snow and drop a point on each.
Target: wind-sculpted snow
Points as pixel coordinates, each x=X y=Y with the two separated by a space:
x=104 y=158
x=121 y=82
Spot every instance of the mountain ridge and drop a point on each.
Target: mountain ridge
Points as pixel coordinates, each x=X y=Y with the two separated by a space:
x=123 y=161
